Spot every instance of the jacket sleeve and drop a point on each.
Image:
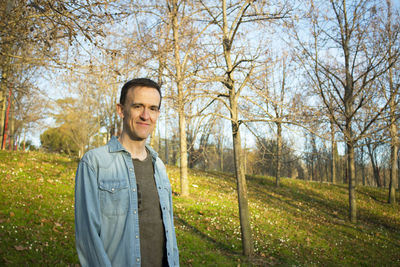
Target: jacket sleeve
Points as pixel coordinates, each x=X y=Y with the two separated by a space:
x=176 y=251
x=89 y=246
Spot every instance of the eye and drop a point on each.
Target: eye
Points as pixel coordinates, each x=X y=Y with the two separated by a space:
x=136 y=106
x=154 y=108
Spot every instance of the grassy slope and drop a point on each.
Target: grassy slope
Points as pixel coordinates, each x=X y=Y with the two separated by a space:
x=301 y=224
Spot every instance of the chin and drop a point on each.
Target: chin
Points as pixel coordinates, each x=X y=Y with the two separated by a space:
x=138 y=137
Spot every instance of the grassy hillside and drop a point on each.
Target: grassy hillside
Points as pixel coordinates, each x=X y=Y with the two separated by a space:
x=298 y=224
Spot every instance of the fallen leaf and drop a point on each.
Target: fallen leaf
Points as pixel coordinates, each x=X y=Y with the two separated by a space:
x=12 y=214
x=20 y=248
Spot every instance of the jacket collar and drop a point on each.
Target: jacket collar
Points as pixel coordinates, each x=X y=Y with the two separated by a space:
x=115 y=146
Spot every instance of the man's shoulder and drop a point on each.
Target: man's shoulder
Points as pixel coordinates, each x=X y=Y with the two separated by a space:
x=97 y=156
x=160 y=163
x=97 y=151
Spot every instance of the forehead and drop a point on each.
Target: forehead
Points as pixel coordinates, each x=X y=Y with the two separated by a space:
x=144 y=95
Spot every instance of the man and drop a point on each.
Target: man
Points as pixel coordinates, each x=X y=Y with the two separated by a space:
x=123 y=200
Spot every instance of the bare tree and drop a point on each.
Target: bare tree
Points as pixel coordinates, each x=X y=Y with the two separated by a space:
x=391 y=32
x=38 y=33
x=275 y=102
x=237 y=68
x=344 y=58
x=180 y=12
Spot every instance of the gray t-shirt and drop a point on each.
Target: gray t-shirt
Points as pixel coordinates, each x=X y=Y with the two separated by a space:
x=152 y=235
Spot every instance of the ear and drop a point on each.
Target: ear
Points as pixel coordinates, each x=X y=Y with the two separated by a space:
x=120 y=111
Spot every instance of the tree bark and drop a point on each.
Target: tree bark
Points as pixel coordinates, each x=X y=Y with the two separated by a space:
x=393 y=107
x=229 y=83
x=393 y=144
x=363 y=166
x=12 y=124
x=334 y=161
x=181 y=102
x=153 y=138
x=183 y=154
x=278 y=153
x=221 y=154
x=244 y=213
x=6 y=119
x=5 y=61
x=375 y=167
x=352 y=184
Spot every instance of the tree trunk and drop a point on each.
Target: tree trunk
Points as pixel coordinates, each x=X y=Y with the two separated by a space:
x=183 y=154
x=375 y=168
x=352 y=184
x=3 y=100
x=363 y=166
x=6 y=119
x=314 y=158
x=398 y=173
x=229 y=83
x=166 y=142
x=221 y=156
x=181 y=102
x=5 y=69
x=24 y=141
x=278 y=153
x=393 y=153
x=393 y=107
x=334 y=161
x=247 y=242
x=12 y=125
x=153 y=138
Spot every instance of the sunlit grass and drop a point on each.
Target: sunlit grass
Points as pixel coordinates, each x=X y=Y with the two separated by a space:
x=298 y=224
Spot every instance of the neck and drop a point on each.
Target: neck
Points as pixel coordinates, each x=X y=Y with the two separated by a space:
x=136 y=148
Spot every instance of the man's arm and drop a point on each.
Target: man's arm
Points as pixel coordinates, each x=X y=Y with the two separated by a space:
x=176 y=251
x=87 y=218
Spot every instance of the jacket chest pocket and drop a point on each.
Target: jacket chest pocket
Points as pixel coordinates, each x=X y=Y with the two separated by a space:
x=114 y=197
x=165 y=194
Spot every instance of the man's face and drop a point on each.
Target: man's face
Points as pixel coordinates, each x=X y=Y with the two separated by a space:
x=140 y=112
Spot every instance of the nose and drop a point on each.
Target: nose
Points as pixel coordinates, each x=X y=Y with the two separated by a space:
x=145 y=115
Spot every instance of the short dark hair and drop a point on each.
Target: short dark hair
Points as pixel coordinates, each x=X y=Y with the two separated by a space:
x=142 y=82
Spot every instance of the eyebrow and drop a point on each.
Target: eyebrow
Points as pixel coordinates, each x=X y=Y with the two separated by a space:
x=141 y=104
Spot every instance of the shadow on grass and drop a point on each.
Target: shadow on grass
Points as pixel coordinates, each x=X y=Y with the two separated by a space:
x=294 y=197
x=205 y=237
x=335 y=211
x=254 y=260
x=370 y=195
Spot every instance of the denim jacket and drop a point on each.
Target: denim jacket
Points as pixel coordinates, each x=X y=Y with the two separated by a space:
x=106 y=208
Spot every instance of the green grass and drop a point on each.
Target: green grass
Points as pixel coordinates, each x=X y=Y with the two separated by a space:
x=298 y=224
